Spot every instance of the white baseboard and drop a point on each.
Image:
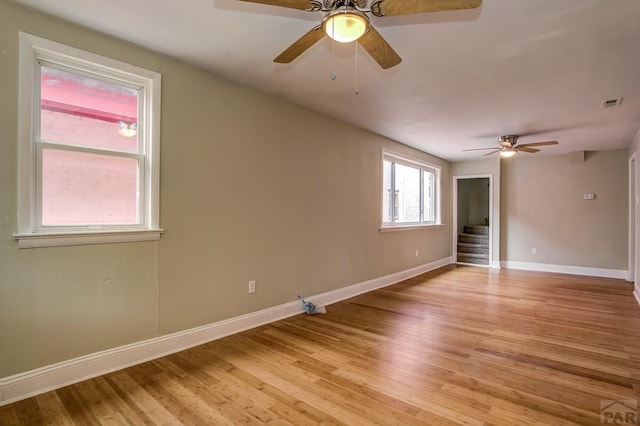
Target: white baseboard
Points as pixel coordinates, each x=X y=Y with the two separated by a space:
x=34 y=382
x=636 y=293
x=376 y=283
x=565 y=269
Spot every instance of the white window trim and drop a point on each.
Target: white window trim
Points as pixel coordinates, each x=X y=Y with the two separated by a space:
x=33 y=48
x=409 y=227
x=410 y=161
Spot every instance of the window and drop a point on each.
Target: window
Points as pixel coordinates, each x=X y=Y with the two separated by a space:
x=410 y=192
x=88 y=148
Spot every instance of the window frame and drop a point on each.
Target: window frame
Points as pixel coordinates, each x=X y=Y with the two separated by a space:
x=422 y=166
x=36 y=51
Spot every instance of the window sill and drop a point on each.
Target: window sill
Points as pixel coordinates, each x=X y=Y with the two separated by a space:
x=390 y=228
x=83 y=238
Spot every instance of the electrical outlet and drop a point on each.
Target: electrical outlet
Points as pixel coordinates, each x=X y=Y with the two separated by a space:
x=252 y=286
x=534 y=250
x=417 y=253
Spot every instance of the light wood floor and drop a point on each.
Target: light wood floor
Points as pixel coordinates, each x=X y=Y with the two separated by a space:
x=458 y=345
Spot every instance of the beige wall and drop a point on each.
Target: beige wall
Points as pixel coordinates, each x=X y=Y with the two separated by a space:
x=634 y=146
x=543 y=207
x=251 y=188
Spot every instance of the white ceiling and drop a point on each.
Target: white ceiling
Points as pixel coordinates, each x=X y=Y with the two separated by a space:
x=538 y=67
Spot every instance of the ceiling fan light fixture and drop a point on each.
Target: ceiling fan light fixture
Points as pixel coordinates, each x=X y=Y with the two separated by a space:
x=507 y=153
x=345 y=24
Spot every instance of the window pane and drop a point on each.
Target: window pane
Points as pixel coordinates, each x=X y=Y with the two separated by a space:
x=83 y=189
x=387 y=199
x=407 y=189
x=429 y=196
x=83 y=111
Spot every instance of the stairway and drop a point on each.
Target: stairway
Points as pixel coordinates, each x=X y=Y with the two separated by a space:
x=473 y=245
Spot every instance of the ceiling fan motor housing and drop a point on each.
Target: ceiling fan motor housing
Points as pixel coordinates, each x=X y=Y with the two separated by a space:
x=508 y=141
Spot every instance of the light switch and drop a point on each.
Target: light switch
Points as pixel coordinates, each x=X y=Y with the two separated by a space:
x=590 y=196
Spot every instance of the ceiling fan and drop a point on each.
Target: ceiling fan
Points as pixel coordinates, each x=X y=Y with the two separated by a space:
x=347 y=20
x=508 y=146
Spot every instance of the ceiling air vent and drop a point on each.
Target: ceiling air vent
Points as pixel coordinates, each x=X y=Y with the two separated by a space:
x=610 y=103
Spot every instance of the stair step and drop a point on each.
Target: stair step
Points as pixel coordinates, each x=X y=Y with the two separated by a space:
x=474 y=260
x=473 y=238
x=474 y=245
x=473 y=255
x=476 y=229
x=473 y=248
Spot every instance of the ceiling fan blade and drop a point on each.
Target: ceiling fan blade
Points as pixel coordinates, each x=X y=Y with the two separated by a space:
x=525 y=145
x=492 y=152
x=479 y=149
x=505 y=144
x=525 y=149
x=302 y=44
x=292 y=4
x=379 y=49
x=406 y=7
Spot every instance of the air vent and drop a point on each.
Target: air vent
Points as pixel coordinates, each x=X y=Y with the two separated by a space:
x=610 y=103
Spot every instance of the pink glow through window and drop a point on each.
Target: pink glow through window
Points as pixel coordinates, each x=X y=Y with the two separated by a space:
x=90 y=171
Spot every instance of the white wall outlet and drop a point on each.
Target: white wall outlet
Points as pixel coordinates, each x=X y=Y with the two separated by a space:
x=252 y=286
x=417 y=253
x=534 y=250
x=590 y=196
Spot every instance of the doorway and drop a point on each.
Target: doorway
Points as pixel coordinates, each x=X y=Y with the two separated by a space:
x=473 y=220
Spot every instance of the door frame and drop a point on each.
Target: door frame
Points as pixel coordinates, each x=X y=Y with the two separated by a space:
x=632 y=265
x=493 y=227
